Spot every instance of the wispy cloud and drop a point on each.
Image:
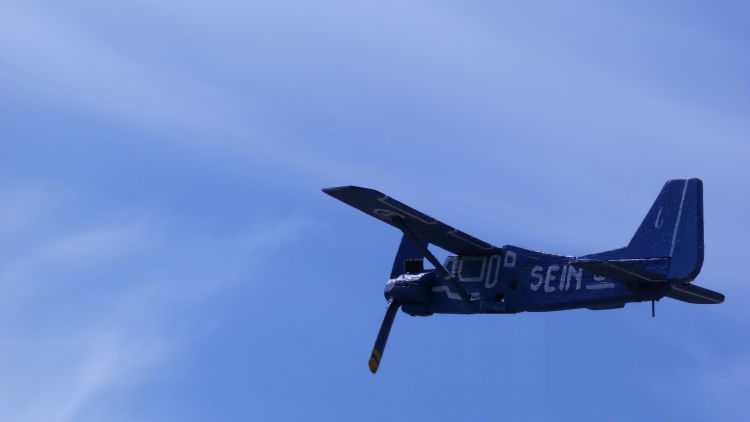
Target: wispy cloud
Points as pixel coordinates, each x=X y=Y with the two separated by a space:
x=97 y=305
x=277 y=118
x=60 y=62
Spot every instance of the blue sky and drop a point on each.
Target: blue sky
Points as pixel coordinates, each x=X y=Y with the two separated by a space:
x=166 y=254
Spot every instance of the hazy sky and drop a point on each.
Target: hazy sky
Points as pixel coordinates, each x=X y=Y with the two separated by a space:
x=166 y=252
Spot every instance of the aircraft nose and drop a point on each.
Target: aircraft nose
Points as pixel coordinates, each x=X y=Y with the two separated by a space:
x=388 y=287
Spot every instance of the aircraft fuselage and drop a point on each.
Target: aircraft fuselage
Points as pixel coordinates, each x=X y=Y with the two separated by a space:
x=517 y=280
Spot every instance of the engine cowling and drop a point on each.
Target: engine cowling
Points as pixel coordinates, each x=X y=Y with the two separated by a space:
x=412 y=291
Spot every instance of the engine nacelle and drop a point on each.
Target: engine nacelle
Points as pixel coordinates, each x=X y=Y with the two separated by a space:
x=410 y=289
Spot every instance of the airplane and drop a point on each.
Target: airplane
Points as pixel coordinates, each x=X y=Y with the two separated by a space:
x=662 y=259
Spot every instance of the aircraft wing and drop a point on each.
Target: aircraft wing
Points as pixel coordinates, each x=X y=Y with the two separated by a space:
x=428 y=229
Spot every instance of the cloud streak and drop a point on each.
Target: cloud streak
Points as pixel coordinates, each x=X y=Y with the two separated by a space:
x=102 y=305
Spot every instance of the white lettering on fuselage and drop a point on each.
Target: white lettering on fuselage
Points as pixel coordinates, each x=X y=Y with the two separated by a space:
x=536 y=273
x=550 y=277
x=510 y=259
x=492 y=277
x=568 y=273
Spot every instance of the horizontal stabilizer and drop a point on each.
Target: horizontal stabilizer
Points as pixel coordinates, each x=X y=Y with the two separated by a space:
x=653 y=270
x=691 y=293
x=428 y=229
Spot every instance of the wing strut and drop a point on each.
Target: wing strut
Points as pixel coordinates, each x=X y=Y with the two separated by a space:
x=430 y=257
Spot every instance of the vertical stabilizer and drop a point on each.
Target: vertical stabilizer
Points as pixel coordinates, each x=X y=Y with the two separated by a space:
x=673 y=228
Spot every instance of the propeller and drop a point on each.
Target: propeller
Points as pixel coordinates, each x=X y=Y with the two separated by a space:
x=385 y=329
x=409 y=258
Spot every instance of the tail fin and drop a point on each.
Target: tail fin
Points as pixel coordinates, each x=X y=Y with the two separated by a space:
x=671 y=233
x=673 y=228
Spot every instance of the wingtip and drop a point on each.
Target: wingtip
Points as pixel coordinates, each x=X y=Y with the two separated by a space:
x=333 y=190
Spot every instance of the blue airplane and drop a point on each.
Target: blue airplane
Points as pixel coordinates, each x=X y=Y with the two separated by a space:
x=662 y=258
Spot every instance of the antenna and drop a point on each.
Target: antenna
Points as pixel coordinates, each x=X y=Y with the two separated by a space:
x=653 y=309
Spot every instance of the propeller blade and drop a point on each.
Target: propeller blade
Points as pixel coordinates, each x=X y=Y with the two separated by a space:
x=385 y=329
